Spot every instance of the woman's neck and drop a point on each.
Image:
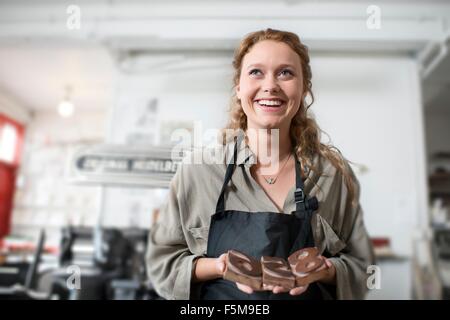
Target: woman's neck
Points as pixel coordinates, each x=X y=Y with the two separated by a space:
x=271 y=146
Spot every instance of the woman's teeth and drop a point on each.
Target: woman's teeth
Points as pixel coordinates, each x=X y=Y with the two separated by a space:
x=270 y=102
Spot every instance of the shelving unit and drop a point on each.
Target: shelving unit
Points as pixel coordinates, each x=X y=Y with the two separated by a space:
x=439 y=178
x=431 y=275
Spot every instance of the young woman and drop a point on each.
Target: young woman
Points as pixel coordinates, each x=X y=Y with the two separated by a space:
x=259 y=202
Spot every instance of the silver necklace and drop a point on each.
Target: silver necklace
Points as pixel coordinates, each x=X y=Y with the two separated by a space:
x=273 y=180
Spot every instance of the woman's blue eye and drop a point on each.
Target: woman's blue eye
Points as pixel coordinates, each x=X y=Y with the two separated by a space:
x=286 y=72
x=254 y=72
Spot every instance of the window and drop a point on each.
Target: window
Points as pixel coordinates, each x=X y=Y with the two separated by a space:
x=11 y=136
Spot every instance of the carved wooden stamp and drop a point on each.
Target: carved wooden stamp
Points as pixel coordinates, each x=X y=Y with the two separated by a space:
x=307 y=266
x=243 y=269
x=276 y=272
x=303 y=267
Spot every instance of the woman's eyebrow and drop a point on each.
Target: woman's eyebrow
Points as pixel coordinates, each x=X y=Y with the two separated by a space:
x=254 y=65
x=284 y=65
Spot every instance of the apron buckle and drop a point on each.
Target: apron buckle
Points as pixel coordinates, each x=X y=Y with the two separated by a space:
x=299 y=195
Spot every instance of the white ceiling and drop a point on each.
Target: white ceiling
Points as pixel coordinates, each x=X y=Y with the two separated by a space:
x=36 y=74
x=39 y=56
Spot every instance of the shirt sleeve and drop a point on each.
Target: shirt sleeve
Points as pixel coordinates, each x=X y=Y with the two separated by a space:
x=169 y=260
x=352 y=260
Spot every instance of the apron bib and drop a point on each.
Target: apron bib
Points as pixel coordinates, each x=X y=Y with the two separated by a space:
x=259 y=233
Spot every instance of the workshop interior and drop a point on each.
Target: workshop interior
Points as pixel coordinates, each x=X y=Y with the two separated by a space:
x=93 y=95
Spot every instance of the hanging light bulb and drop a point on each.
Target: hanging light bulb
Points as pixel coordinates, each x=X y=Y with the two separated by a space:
x=66 y=107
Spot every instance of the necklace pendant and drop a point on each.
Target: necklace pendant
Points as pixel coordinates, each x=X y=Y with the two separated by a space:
x=270 y=181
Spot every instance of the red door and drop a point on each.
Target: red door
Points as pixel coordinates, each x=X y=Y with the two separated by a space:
x=7 y=178
x=11 y=139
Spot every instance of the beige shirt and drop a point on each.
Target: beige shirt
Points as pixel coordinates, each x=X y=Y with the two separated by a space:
x=181 y=233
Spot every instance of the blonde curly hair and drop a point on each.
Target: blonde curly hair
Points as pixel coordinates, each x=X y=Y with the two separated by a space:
x=305 y=134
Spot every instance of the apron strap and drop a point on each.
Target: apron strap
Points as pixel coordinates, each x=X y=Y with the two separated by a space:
x=301 y=202
x=299 y=193
x=220 y=207
x=304 y=208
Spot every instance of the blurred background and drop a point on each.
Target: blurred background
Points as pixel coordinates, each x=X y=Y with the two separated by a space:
x=91 y=92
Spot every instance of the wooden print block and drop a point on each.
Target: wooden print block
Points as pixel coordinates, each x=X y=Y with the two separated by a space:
x=243 y=269
x=276 y=272
x=307 y=266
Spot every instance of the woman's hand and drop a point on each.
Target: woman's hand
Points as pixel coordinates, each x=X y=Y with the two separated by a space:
x=275 y=289
x=209 y=268
x=328 y=277
x=220 y=265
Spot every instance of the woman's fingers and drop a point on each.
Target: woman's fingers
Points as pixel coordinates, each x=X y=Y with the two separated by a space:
x=275 y=289
x=298 y=290
x=223 y=257
x=328 y=263
x=279 y=289
x=244 y=288
x=220 y=264
x=267 y=287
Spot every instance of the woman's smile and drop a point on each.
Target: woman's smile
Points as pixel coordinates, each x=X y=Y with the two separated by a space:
x=270 y=105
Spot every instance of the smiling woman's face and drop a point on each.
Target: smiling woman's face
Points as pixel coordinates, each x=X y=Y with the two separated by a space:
x=270 y=85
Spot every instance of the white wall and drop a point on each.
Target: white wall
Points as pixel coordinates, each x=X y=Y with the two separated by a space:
x=43 y=198
x=183 y=97
x=370 y=106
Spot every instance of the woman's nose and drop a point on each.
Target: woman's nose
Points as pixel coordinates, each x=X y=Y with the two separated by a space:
x=270 y=85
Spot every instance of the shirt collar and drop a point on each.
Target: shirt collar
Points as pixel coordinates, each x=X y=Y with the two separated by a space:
x=245 y=155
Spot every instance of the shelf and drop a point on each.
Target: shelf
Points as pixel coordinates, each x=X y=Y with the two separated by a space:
x=442 y=155
x=439 y=192
x=440 y=226
x=439 y=176
x=439 y=183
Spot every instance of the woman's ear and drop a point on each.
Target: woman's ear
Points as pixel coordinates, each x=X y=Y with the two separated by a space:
x=304 y=95
x=237 y=89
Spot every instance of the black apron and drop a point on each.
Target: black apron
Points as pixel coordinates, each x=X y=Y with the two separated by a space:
x=259 y=233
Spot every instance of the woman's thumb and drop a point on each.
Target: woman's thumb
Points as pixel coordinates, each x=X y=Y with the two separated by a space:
x=221 y=267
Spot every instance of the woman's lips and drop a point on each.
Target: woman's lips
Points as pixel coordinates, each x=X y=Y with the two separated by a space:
x=269 y=108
